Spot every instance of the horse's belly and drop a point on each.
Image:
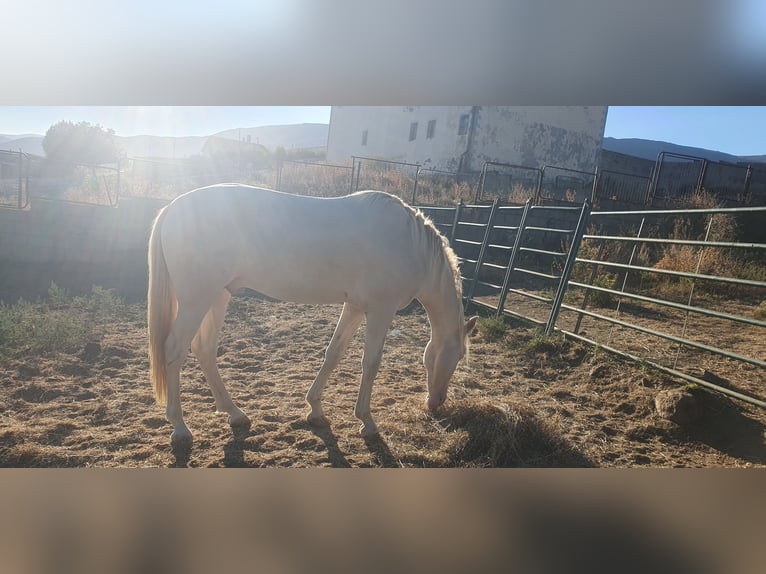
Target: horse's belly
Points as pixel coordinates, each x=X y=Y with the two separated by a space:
x=298 y=291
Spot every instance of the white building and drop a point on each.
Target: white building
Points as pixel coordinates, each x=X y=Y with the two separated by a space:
x=462 y=138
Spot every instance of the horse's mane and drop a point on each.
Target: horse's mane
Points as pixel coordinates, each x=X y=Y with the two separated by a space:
x=424 y=230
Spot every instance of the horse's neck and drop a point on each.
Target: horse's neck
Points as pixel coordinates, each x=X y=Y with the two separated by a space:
x=444 y=310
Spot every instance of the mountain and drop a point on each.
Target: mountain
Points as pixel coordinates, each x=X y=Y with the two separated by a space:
x=288 y=136
x=161 y=146
x=753 y=158
x=28 y=143
x=649 y=149
x=295 y=136
x=292 y=136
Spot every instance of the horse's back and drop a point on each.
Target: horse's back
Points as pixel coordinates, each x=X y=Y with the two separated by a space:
x=296 y=248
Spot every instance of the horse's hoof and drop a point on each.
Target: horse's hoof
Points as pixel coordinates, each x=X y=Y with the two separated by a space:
x=318 y=421
x=239 y=420
x=368 y=430
x=181 y=438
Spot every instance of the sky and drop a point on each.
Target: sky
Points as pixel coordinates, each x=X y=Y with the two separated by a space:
x=175 y=121
x=733 y=130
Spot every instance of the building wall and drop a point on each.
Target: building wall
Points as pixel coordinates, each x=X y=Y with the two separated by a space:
x=533 y=136
x=388 y=131
x=569 y=137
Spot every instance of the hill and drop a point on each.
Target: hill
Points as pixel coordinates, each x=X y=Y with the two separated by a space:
x=28 y=143
x=293 y=136
x=649 y=149
x=160 y=146
x=299 y=136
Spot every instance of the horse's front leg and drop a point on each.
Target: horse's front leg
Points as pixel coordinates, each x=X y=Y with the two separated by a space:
x=375 y=336
x=349 y=322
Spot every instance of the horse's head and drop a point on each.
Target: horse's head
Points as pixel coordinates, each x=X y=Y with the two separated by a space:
x=441 y=358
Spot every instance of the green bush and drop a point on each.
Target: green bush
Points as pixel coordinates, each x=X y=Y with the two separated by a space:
x=493 y=328
x=61 y=323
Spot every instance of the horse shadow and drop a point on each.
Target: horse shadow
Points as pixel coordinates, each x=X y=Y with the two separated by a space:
x=380 y=450
x=243 y=441
x=181 y=454
x=325 y=434
x=240 y=443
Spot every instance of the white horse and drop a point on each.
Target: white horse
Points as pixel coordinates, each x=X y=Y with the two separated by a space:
x=369 y=251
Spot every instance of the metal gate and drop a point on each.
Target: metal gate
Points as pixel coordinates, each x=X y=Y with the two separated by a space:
x=525 y=252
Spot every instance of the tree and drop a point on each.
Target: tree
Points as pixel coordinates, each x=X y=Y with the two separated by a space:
x=80 y=143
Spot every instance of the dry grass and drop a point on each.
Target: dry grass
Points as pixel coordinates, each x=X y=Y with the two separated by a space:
x=517 y=400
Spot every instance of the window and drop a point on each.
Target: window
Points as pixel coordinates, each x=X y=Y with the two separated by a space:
x=364 y=137
x=413 y=130
x=463 y=128
x=431 y=129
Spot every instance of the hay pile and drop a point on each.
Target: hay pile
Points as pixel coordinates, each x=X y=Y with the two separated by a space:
x=483 y=433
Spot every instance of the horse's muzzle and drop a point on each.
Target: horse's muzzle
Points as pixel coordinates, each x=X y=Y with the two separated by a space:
x=435 y=402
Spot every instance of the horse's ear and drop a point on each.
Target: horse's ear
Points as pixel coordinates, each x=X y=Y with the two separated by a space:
x=470 y=324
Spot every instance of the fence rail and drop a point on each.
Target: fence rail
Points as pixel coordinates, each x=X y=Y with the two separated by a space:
x=696 y=304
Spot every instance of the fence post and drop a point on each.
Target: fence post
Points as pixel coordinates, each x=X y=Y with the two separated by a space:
x=21 y=168
x=455 y=221
x=484 y=243
x=514 y=255
x=625 y=277
x=748 y=177
x=568 y=265
x=415 y=186
x=539 y=190
x=119 y=180
x=655 y=179
x=586 y=296
x=701 y=176
x=691 y=290
x=358 y=172
x=480 y=184
x=26 y=182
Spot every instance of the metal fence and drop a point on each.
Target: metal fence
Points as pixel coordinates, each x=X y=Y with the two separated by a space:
x=673 y=179
x=395 y=177
x=14 y=179
x=674 y=289
x=618 y=187
x=565 y=186
x=313 y=178
x=508 y=182
x=440 y=187
x=168 y=178
x=677 y=176
x=24 y=177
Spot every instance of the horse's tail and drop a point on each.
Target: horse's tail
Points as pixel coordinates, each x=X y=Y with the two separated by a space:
x=162 y=309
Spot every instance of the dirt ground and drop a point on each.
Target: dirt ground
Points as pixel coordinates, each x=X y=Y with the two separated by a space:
x=518 y=400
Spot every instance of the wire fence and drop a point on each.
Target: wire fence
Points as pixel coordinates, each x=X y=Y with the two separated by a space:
x=14 y=179
x=673 y=179
x=313 y=178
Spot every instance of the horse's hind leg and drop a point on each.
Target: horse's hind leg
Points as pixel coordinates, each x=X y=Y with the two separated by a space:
x=204 y=346
x=176 y=349
x=349 y=322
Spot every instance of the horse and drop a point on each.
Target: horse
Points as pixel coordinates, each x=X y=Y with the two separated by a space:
x=369 y=251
